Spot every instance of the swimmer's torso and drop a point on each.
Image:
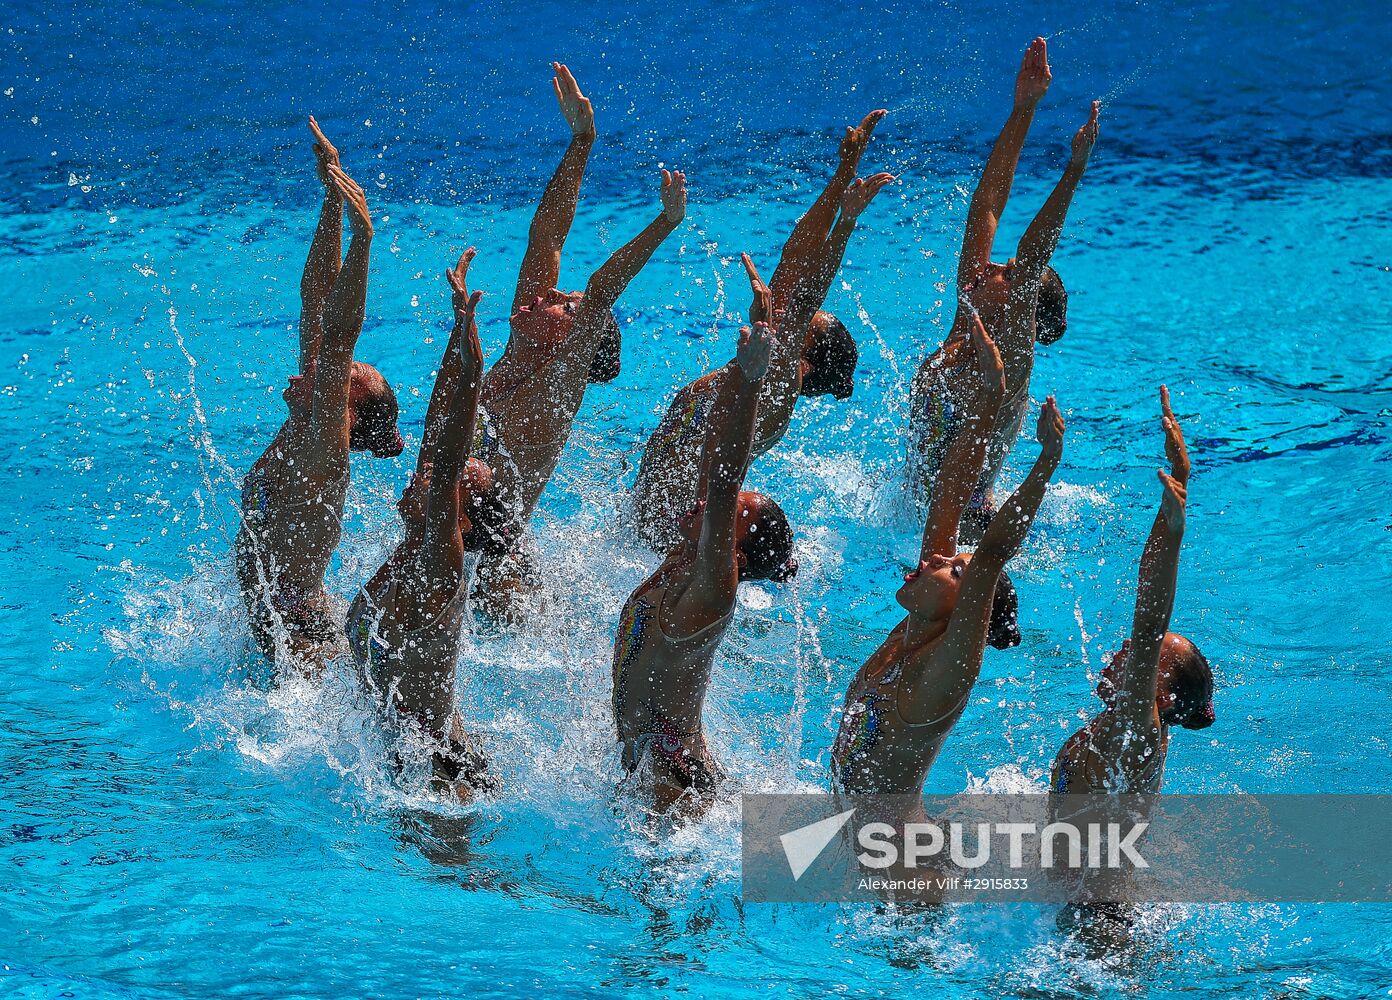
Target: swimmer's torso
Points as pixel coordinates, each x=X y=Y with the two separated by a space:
x=409 y=658
x=941 y=391
x=670 y=471
x=877 y=750
x=530 y=407
x=292 y=518
x=1087 y=765
x=660 y=686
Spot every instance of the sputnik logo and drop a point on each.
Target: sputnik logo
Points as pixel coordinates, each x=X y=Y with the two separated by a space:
x=805 y=844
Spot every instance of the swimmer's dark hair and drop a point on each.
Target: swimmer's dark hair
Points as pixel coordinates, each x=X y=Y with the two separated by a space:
x=1051 y=312
x=375 y=412
x=1004 y=630
x=831 y=356
x=606 y=363
x=768 y=547
x=1190 y=679
x=493 y=526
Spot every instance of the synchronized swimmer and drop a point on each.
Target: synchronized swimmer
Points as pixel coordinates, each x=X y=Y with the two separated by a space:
x=493 y=439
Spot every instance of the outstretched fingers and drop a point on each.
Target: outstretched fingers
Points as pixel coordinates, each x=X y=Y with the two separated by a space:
x=1050 y=428
x=325 y=154
x=862 y=192
x=565 y=79
x=1086 y=136
x=1174 y=500
x=353 y=197
x=1176 y=450
x=457 y=275
x=321 y=142
x=674 y=195
x=988 y=360
x=856 y=139
x=575 y=106
x=755 y=351
x=762 y=305
x=868 y=123
x=1032 y=82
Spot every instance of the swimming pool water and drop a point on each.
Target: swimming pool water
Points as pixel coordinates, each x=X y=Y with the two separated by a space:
x=170 y=826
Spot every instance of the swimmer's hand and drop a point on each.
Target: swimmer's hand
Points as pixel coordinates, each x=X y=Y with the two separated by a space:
x=856 y=139
x=755 y=349
x=988 y=366
x=470 y=350
x=862 y=192
x=674 y=195
x=1085 y=137
x=1172 y=504
x=575 y=106
x=354 y=199
x=1175 y=448
x=325 y=156
x=762 y=306
x=1050 y=431
x=1032 y=82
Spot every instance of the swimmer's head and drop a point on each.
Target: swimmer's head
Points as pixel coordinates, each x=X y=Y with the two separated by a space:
x=549 y=316
x=1004 y=630
x=931 y=591
x=989 y=290
x=372 y=413
x=763 y=539
x=1183 y=688
x=1051 y=312
x=1184 y=691
x=372 y=409
x=483 y=517
x=829 y=358
x=485 y=521
x=605 y=366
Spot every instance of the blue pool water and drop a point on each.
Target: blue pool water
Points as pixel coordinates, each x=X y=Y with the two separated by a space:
x=170 y=828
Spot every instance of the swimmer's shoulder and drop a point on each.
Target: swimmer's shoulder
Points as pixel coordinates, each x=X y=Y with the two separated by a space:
x=1069 y=772
x=944 y=367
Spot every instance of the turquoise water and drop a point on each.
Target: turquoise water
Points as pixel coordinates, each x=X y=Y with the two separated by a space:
x=171 y=827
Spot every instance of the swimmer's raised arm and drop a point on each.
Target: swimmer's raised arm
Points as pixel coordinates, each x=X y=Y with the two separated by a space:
x=457 y=430
x=450 y=376
x=541 y=265
x=1159 y=573
x=1041 y=238
x=961 y=466
x=1037 y=247
x=964 y=642
x=325 y=253
x=343 y=321
x=809 y=296
x=993 y=190
x=784 y=381
x=608 y=283
x=805 y=243
x=725 y=457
